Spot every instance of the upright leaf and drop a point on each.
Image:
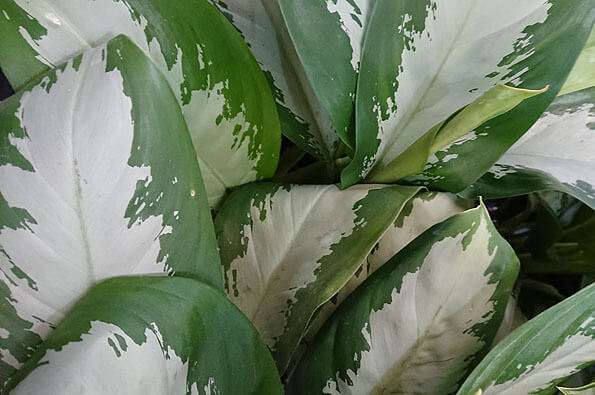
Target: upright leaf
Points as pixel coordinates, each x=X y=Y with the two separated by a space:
x=224 y=96
x=302 y=119
x=97 y=179
x=424 y=60
x=331 y=69
x=151 y=335
x=421 y=321
x=287 y=249
x=558 y=152
x=542 y=352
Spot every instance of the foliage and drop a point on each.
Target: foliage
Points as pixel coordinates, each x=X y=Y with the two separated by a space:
x=340 y=197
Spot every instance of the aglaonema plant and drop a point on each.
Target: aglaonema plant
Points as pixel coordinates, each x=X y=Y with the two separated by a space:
x=287 y=196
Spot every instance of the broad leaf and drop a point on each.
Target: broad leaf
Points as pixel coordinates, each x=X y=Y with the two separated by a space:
x=331 y=69
x=421 y=321
x=582 y=75
x=542 y=352
x=558 y=152
x=261 y=24
x=151 y=335
x=419 y=214
x=588 y=389
x=97 y=179
x=224 y=96
x=288 y=249
x=424 y=60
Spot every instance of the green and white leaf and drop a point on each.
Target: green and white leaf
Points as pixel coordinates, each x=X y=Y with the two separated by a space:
x=588 y=389
x=425 y=60
x=331 y=69
x=582 y=75
x=558 y=152
x=421 y=321
x=287 y=249
x=98 y=178
x=302 y=119
x=419 y=214
x=542 y=352
x=496 y=101
x=150 y=335
x=224 y=96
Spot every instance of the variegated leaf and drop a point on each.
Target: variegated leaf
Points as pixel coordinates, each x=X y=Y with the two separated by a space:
x=224 y=96
x=542 y=352
x=421 y=321
x=332 y=69
x=287 y=249
x=582 y=75
x=150 y=335
x=424 y=60
x=419 y=214
x=302 y=119
x=496 y=101
x=558 y=152
x=97 y=179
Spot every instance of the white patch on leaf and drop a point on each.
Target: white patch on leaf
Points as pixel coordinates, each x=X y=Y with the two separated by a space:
x=561 y=362
x=435 y=77
x=353 y=20
x=79 y=139
x=284 y=250
x=220 y=153
x=106 y=360
x=437 y=304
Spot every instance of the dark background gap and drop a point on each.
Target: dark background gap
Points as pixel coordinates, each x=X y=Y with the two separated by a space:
x=5 y=89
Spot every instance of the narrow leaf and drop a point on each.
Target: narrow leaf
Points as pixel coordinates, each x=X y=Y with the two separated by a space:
x=302 y=120
x=542 y=352
x=331 y=69
x=588 y=389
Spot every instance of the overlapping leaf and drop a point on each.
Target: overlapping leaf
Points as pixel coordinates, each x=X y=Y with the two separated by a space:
x=331 y=69
x=419 y=214
x=288 y=249
x=582 y=75
x=302 y=120
x=421 y=321
x=558 y=152
x=98 y=178
x=151 y=335
x=424 y=60
x=224 y=96
x=542 y=352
